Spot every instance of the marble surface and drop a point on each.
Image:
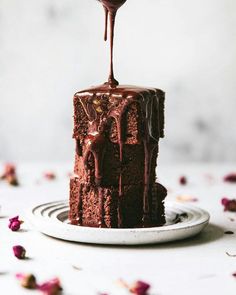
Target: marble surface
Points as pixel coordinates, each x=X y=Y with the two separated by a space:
x=195 y=266
x=51 y=49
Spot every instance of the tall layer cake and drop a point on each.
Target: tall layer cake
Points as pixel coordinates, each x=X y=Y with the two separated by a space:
x=117 y=132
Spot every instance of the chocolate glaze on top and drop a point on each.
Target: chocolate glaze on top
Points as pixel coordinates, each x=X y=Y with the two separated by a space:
x=113 y=104
x=111 y=7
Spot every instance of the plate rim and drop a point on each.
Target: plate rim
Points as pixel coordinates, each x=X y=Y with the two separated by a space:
x=177 y=226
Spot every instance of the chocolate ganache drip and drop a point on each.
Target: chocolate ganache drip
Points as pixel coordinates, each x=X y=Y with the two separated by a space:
x=103 y=104
x=111 y=7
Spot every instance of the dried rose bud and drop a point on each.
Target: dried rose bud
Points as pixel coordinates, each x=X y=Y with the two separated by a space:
x=234 y=274
x=15 y=223
x=229 y=205
x=27 y=280
x=49 y=175
x=230 y=177
x=9 y=169
x=51 y=287
x=9 y=174
x=19 y=252
x=183 y=180
x=139 y=288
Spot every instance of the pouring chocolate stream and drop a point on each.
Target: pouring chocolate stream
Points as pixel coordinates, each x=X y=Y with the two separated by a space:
x=111 y=7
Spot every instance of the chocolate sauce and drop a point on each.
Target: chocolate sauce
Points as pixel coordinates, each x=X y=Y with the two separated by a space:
x=96 y=144
x=111 y=7
x=149 y=101
x=106 y=21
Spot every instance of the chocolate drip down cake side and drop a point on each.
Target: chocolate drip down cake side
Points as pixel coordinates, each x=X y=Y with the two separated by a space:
x=117 y=130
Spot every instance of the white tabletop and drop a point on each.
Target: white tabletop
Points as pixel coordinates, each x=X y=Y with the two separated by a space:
x=196 y=266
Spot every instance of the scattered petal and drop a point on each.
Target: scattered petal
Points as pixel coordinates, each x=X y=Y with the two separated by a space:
x=15 y=223
x=9 y=174
x=49 y=175
x=51 y=287
x=229 y=232
x=231 y=177
x=231 y=219
x=139 y=288
x=224 y=201
x=12 y=180
x=229 y=205
x=27 y=280
x=9 y=169
x=183 y=180
x=186 y=198
x=19 y=252
x=234 y=274
x=230 y=255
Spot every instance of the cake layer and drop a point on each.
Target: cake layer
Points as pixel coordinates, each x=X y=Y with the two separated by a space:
x=133 y=104
x=131 y=168
x=103 y=207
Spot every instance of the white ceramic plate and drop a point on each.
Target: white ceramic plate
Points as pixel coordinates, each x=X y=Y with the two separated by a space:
x=183 y=221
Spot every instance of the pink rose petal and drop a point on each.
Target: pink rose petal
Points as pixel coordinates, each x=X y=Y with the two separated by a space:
x=9 y=169
x=49 y=175
x=229 y=204
x=139 y=288
x=51 y=287
x=9 y=174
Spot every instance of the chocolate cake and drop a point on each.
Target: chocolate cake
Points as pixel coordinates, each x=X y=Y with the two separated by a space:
x=117 y=130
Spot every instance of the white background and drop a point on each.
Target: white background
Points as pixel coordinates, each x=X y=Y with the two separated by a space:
x=49 y=49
